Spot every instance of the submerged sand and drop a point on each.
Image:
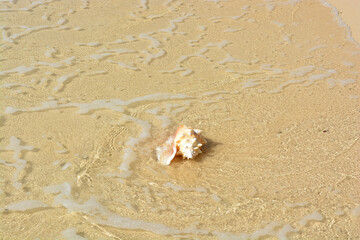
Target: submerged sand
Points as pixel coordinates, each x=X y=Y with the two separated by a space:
x=90 y=88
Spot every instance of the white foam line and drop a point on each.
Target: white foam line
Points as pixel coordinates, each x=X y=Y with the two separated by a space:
x=6 y=36
x=274 y=70
x=20 y=164
x=19 y=70
x=343 y=82
x=25 y=205
x=100 y=56
x=197 y=40
x=96 y=73
x=232 y=30
x=84 y=108
x=71 y=234
x=178 y=188
x=63 y=80
x=315 y=216
x=130 y=38
x=44 y=81
x=13 y=85
x=68 y=61
x=7 y=1
x=221 y=44
x=167 y=2
x=89 y=44
x=173 y=26
x=178 y=68
x=302 y=71
x=129 y=153
x=151 y=17
x=28 y=30
x=32 y=6
x=101 y=215
x=155 y=43
x=278 y=24
x=156 y=97
x=117 y=50
x=187 y=72
x=66 y=165
x=165 y=121
x=150 y=57
x=144 y=4
x=174 y=6
x=285 y=84
x=61 y=21
x=230 y=59
x=123 y=65
x=85 y=4
x=116 y=105
x=199 y=53
x=340 y=21
x=112 y=104
x=317 y=47
x=50 y=53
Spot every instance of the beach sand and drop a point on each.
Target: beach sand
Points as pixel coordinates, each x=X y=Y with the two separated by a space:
x=90 y=89
x=349 y=12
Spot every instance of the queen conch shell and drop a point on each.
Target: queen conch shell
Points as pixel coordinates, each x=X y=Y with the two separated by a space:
x=186 y=142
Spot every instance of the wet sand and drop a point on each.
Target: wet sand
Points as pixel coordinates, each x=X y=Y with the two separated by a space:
x=349 y=12
x=90 y=88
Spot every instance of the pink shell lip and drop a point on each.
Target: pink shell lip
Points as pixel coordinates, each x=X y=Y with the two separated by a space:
x=172 y=147
x=166 y=153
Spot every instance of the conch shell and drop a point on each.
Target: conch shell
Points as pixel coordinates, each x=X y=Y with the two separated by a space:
x=186 y=142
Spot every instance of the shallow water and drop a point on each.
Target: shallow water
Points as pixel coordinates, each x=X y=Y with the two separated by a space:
x=90 y=88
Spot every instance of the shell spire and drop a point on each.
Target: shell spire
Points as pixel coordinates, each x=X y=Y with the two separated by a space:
x=186 y=142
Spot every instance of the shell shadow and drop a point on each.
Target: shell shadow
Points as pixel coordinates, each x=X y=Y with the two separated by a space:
x=207 y=149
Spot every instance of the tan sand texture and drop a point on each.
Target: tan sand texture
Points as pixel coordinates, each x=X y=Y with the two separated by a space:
x=349 y=11
x=89 y=89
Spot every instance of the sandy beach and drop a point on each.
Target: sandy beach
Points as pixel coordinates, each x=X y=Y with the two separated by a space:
x=89 y=89
x=348 y=10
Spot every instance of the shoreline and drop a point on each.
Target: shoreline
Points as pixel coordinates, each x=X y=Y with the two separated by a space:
x=348 y=10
